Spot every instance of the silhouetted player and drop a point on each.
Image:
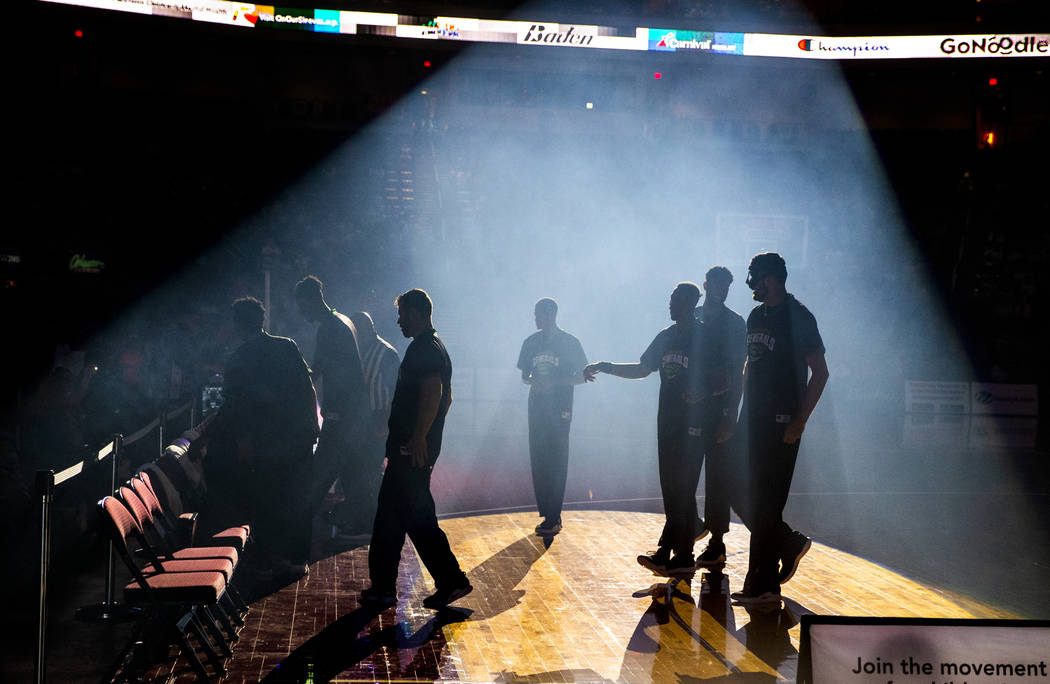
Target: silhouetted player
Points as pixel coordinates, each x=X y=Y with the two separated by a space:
x=344 y=407
x=784 y=376
x=269 y=415
x=406 y=506
x=551 y=363
x=679 y=353
x=726 y=326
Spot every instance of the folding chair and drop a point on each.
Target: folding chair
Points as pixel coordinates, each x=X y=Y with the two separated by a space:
x=236 y=536
x=162 y=558
x=176 y=597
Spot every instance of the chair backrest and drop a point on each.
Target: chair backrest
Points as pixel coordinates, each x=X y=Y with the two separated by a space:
x=136 y=505
x=147 y=509
x=144 y=476
x=141 y=486
x=121 y=523
x=144 y=520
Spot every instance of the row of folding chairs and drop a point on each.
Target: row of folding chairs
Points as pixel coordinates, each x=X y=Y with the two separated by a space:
x=187 y=590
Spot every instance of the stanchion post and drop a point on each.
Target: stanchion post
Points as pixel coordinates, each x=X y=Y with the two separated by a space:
x=110 y=609
x=118 y=446
x=45 y=486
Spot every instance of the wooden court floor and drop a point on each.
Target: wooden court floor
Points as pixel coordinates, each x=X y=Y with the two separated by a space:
x=578 y=610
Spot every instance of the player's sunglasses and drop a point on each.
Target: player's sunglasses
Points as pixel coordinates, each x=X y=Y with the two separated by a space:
x=754 y=278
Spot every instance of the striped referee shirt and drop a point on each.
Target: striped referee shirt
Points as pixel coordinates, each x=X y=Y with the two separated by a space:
x=379 y=361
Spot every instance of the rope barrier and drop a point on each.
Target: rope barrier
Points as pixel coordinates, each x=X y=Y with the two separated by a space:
x=77 y=468
x=46 y=481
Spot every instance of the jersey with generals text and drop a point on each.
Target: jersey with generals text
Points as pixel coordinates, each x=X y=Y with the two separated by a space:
x=778 y=341
x=557 y=356
x=683 y=359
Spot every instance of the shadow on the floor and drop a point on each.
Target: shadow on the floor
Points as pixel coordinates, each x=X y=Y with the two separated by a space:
x=341 y=645
x=674 y=621
x=506 y=568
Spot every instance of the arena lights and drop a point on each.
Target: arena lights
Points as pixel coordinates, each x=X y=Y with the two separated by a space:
x=553 y=34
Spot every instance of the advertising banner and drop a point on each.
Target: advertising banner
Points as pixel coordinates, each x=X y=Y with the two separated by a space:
x=576 y=35
x=134 y=6
x=1004 y=400
x=326 y=21
x=231 y=13
x=919 y=651
x=935 y=396
x=896 y=47
x=672 y=40
x=554 y=34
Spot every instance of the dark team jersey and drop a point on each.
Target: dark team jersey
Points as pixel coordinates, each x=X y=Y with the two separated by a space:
x=683 y=359
x=425 y=357
x=338 y=362
x=558 y=356
x=728 y=327
x=778 y=341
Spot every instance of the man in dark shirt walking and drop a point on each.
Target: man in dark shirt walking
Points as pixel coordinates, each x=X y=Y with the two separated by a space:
x=551 y=363
x=344 y=408
x=679 y=352
x=784 y=376
x=406 y=506
x=726 y=326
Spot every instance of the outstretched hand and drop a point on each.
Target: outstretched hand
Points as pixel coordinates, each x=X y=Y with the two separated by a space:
x=591 y=370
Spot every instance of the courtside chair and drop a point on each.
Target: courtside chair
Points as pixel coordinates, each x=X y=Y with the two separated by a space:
x=175 y=599
x=159 y=523
x=237 y=536
x=155 y=566
x=161 y=558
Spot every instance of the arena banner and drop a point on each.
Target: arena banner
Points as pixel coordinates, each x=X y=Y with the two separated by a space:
x=934 y=396
x=554 y=34
x=674 y=40
x=869 y=650
x=1000 y=399
x=897 y=47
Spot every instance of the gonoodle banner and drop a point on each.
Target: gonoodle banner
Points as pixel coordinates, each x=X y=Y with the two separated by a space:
x=896 y=47
x=672 y=40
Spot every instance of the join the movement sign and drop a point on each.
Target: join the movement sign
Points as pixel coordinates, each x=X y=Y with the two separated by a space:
x=844 y=650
